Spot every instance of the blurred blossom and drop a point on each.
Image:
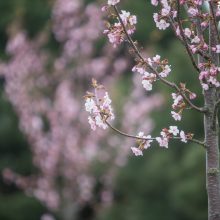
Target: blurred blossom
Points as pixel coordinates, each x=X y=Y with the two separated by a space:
x=47 y=217
x=51 y=112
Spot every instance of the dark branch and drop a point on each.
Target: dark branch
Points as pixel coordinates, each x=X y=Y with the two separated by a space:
x=166 y=82
x=147 y=139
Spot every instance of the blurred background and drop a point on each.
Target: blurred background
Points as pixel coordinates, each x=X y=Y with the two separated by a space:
x=52 y=165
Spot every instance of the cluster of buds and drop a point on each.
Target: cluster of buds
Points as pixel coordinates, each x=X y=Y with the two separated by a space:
x=208 y=75
x=152 y=69
x=160 y=67
x=198 y=45
x=143 y=142
x=193 y=10
x=178 y=101
x=196 y=42
x=115 y=32
x=113 y=2
x=216 y=48
x=99 y=108
x=162 y=18
x=173 y=132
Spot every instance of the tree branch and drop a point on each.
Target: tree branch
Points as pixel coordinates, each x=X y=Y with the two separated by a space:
x=214 y=19
x=184 y=38
x=147 y=139
x=166 y=82
x=127 y=135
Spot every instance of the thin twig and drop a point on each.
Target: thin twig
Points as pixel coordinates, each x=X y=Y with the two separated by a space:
x=200 y=32
x=128 y=135
x=166 y=82
x=184 y=38
x=202 y=143
x=200 y=52
x=147 y=139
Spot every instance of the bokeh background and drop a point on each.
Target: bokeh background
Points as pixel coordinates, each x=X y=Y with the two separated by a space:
x=52 y=165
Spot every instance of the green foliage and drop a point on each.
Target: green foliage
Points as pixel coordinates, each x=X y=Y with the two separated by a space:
x=36 y=15
x=20 y=207
x=164 y=184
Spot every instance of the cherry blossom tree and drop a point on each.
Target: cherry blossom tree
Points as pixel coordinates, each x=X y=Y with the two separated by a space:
x=195 y=24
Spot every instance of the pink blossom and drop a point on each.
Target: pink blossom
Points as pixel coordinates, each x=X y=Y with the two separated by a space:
x=218 y=48
x=176 y=116
x=113 y=2
x=163 y=142
x=104 y=8
x=203 y=74
x=205 y=86
x=193 y=11
x=90 y=105
x=218 y=12
x=204 y=24
x=195 y=40
x=47 y=217
x=124 y=16
x=177 y=100
x=99 y=111
x=187 y=32
x=165 y=11
x=92 y=123
x=177 y=31
x=156 y=59
x=174 y=130
x=166 y=71
x=192 y=95
x=154 y=2
x=183 y=137
x=147 y=84
x=146 y=142
x=137 y=151
x=193 y=48
x=160 y=23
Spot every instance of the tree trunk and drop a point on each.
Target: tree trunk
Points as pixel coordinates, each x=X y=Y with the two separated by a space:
x=212 y=157
x=211 y=130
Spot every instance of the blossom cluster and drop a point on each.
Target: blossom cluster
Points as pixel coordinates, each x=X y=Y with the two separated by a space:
x=113 y=2
x=115 y=32
x=166 y=134
x=168 y=12
x=51 y=98
x=153 y=69
x=208 y=75
x=168 y=15
x=179 y=103
x=143 y=143
x=196 y=42
x=99 y=108
x=160 y=67
x=162 y=18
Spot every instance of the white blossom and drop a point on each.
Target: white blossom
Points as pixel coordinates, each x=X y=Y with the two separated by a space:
x=113 y=2
x=137 y=151
x=174 y=130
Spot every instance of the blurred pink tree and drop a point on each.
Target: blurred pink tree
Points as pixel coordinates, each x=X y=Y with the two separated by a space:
x=46 y=92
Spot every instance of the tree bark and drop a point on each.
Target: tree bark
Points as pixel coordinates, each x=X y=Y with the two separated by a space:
x=211 y=128
x=212 y=157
